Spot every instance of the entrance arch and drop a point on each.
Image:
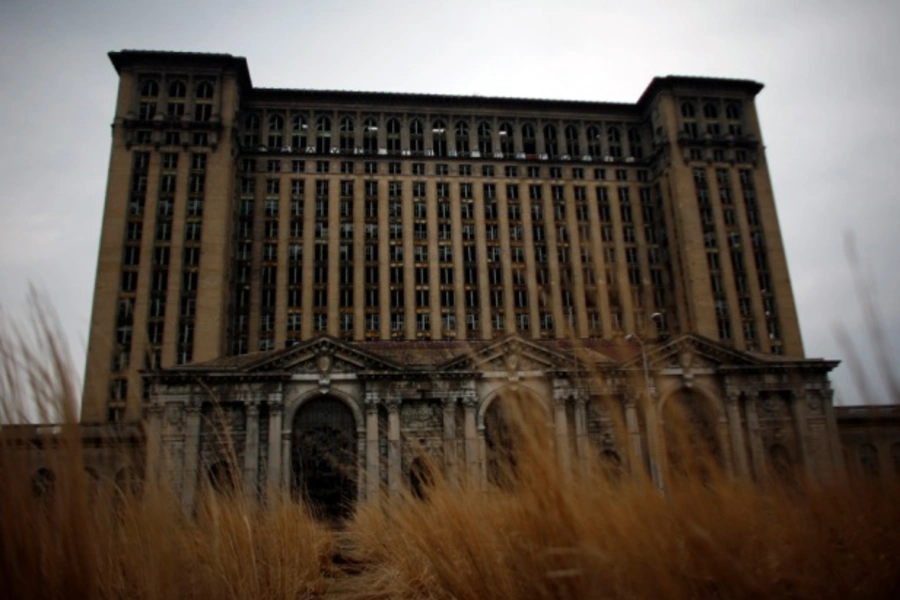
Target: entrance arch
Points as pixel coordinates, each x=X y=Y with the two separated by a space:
x=510 y=415
x=323 y=457
x=690 y=430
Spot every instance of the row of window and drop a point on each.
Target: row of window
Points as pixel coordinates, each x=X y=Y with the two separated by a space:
x=277 y=165
x=459 y=138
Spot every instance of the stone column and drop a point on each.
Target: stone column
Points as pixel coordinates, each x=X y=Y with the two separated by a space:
x=189 y=474
x=156 y=465
x=450 y=439
x=562 y=429
x=273 y=475
x=372 y=459
x=470 y=403
x=736 y=433
x=582 y=443
x=798 y=412
x=655 y=443
x=633 y=426
x=394 y=474
x=834 y=440
x=251 y=451
x=361 y=492
x=757 y=452
x=285 y=437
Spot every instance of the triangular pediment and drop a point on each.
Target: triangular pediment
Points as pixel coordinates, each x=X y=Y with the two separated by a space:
x=324 y=354
x=692 y=351
x=510 y=353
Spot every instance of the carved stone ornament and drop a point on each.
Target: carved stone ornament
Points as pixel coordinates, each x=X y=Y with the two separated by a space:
x=814 y=404
x=174 y=414
x=511 y=356
x=686 y=360
x=324 y=363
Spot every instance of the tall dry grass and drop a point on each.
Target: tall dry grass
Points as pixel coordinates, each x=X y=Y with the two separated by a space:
x=545 y=533
x=593 y=535
x=74 y=536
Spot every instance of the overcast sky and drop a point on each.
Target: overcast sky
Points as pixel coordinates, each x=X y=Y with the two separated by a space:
x=828 y=113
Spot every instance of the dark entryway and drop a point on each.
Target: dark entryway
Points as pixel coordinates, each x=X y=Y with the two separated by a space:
x=323 y=461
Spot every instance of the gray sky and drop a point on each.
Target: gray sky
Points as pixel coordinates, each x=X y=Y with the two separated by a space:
x=828 y=112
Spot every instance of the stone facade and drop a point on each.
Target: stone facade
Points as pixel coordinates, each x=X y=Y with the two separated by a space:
x=870 y=438
x=241 y=219
x=763 y=411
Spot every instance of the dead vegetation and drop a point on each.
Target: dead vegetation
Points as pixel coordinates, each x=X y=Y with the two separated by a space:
x=539 y=533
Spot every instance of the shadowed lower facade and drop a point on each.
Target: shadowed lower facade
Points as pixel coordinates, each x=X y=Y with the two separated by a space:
x=336 y=422
x=318 y=286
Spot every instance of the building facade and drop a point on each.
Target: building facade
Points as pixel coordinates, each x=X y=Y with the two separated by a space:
x=375 y=268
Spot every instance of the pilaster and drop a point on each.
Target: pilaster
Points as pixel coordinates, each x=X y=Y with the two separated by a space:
x=274 y=451
x=251 y=451
x=191 y=454
x=372 y=462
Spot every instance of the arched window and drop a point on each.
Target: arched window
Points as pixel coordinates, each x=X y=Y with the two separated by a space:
x=868 y=460
x=251 y=130
x=439 y=137
x=393 y=136
x=551 y=144
x=733 y=113
x=219 y=477
x=781 y=463
x=594 y=141
x=177 y=89
x=177 y=92
x=128 y=480
x=149 y=88
x=634 y=142
x=485 y=145
x=416 y=138
x=298 y=132
x=690 y=425
x=611 y=463
x=688 y=111
x=203 y=106
x=323 y=135
x=529 y=139
x=370 y=135
x=43 y=482
x=347 y=140
x=573 y=148
x=204 y=90
x=710 y=111
x=505 y=131
x=276 y=131
x=614 y=137
x=462 y=138
x=420 y=478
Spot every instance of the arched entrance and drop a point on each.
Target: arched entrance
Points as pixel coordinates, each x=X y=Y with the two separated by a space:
x=323 y=460
x=510 y=419
x=499 y=443
x=693 y=448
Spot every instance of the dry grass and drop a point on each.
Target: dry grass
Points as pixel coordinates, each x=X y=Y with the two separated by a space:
x=83 y=538
x=544 y=535
x=588 y=536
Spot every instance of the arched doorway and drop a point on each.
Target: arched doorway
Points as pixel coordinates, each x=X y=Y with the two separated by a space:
x=693 y=448
x=323 y=461
x=499 y=445
x=511 y=418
